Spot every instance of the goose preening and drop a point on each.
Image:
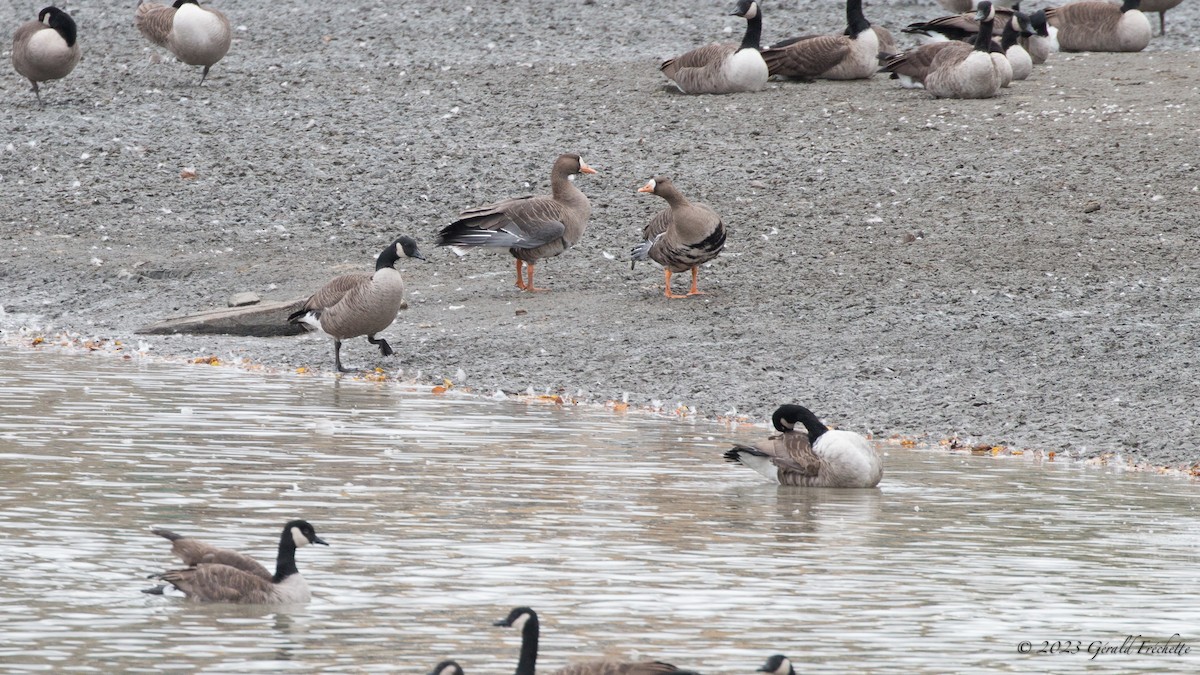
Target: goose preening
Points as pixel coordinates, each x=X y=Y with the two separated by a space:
x=525 y=620
x=359 y=303
x=850 y=55
x=1093 y=26
x=815 y=456
x=1044 y=39
x=221 y=575
x=45 y=49
x=198 y=36
x=447 y=667
x=683 y=236
x=723 y=67
x=1160 y=6
x=777 y=665
x=531 y=228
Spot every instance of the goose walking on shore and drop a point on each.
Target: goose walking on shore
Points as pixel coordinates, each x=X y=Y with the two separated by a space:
x=360 y=303
x=222 y=575
x=681 y=237
x=198 y=36
x=45 y=49
x=531 y=228
x=814 y=456
x=723 y=67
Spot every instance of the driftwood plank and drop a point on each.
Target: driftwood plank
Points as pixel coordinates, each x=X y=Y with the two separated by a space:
x=267 y=319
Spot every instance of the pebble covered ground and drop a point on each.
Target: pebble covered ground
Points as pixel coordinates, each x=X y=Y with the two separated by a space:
x=1019 y=271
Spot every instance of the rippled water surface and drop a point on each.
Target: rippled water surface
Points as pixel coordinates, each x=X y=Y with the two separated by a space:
x=628 y=534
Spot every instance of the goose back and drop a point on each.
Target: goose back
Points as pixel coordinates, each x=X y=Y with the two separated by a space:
x=153 y=21
x=194 y=552
x=685 y=234
x=1090 y=25
x=357 y=304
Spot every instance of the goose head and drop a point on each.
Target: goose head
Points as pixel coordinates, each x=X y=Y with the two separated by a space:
x=787 y=416
x=181 y=3
x=1037 y=21
x=571 y=164
x=657 y=185
x=985 y=12
x=518 y=618
x=59 y=21
x=747 y=9
x=447 y=667
x=407 y=246
x=303 y=534
x=1023 y=24
x=777 y=665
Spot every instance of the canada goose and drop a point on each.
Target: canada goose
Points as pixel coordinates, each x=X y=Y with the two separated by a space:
x=814 y=457
x=531 y=228
x=359 y=303
x=1044 y=40
x=963 y=26
x=850 y=55
x=1018 y=58
x=525 y=620
x=1160 y=6
x=45 y=49
x=447 y=667
x=682 y=236
x=1093 y=26
x=999 y=61
x=221 y=575
x=777 y=665
x=723 y=67
x=911 y=67
x=967 y=71
x=198 y=36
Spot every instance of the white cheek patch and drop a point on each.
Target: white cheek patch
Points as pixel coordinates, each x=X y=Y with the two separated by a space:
x=784 y=668
x=753 y=11
x=520 y=622
x=299 y=538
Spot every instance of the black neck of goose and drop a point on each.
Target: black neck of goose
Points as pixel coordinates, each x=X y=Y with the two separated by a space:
x=285 y=562
x=529 y=646
x=1130 y=4
x=983 y=42
x=387 y=258
x=1009 y=37
x=811 y=424
x=65 y=26
x=856 y=21
x=753 y=37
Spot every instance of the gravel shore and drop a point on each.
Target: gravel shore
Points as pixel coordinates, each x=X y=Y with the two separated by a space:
x=1020 y=271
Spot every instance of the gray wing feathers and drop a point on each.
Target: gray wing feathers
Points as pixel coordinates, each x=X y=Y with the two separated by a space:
x=619 y=668
x=336 y=290
x=221 y=583
x=700 y=70
x=659 y=224
x=808 y=57
x=194 y=552
x=154 y=21
x=528 y=222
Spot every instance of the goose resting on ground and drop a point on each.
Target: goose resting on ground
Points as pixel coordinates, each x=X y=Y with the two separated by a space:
x=531 y=228
x=221 y=575
x=850 y=55
x=816 y=456
x=45 y=49
x=359 y=303
x=1093 y=26
x=723 y=67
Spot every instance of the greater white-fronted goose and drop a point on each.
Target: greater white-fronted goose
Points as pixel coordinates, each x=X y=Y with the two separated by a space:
x=198 y=36
x=723 y=67
x=447 y=667
x=1092 y=26
x=531 y=228
x=683 y=236
x=815 y=456
x=45 y=49
x=221 y=575
x=360 y=303
x=777 y=665
x=1044 y=40
x=1160 y=6
x=525 y=620
x=850 y=55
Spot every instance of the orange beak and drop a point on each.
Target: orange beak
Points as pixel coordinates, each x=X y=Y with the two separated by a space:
x=584 y=168
x=648 y=187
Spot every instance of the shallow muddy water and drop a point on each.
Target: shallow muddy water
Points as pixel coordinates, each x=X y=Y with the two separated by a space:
x=628 y=533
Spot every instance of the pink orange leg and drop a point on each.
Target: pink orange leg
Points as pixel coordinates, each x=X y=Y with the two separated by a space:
x=669 y=294
x=520 y=281
x=529 y=284
x=694 y=290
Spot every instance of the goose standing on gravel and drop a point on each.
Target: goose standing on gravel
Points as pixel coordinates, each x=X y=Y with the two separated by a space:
x=723 y=67
x=198 y=36
x=777 y=665
x=359 y=303
x=683 y=236
x=1044 y=40
x=1093 y=26
x=221 y=575
x=45 y=49
x=1160 y=6
x=531 y=228
x=816 y=456
x=525 y=620
x=851 y=55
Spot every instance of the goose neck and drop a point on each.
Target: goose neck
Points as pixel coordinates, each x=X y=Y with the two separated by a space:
x=1130 y=5
x=753 y=37
x=529 y=647
x=983 y=42
x=285 y=562
x=856 y=21
x=387 y=258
